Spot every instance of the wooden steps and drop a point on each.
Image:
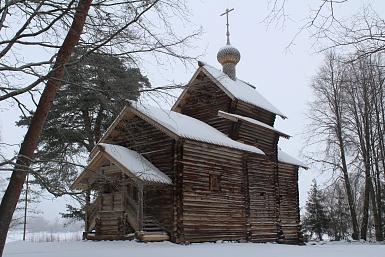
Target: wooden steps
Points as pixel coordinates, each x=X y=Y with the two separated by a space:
x=152 y=236
x=109 y=229
x=152 y=231
x=150 y=224
x=93 y=236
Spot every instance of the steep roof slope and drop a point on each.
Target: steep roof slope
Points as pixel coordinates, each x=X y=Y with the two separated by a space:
x=179 y=125
x=134 y=162
x=237 y=89
x=128 y=161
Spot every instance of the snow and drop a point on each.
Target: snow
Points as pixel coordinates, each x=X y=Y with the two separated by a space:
x=253 y=121
x=135 y=163
x=284 y=157
x=167 y=249
x=188 y=127
x=242 y=90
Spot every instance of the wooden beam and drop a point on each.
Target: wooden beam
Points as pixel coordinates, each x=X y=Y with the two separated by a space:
x=140 y=207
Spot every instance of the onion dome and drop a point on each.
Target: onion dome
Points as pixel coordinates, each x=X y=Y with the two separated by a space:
x=228 y=54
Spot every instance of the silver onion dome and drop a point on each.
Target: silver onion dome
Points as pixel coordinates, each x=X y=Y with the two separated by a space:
x=228 y=54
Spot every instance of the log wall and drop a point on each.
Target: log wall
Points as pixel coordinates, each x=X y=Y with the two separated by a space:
x=108 y=217
x=204 y=101
x=256 y=198
x=210 y=215
x=249 y=110
x=289 y=213
x=260 y=137
x=263 y=199
x=149 y=141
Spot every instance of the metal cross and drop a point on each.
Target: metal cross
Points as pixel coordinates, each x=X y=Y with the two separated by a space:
x=227 y=24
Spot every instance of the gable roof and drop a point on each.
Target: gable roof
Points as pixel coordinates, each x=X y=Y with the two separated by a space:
x=177 y=125
x=237 y=89
x=187 y=127
x=128 y=161
x=236 y=117
x=135 y=163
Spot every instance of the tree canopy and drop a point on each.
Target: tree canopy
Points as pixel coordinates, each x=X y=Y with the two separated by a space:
x=315 y=219
x=91 y=96
x=345 y=135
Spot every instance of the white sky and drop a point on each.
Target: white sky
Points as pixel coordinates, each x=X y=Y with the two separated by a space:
x=282 y=78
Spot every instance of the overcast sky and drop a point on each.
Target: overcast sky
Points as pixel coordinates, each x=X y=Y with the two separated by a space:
x=281 y=77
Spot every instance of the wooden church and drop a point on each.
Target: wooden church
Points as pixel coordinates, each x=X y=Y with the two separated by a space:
x=208 y=169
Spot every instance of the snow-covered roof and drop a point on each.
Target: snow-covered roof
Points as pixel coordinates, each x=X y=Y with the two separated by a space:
x=237 y=117
x=128 y=161
x=138 y=166
x=241 y=90
x=188 y=127
x=284 y=157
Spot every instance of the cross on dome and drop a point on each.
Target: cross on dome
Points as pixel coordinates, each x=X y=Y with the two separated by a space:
x=227 y=23
x=228 y=55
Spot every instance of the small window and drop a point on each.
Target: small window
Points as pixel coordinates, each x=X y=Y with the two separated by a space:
x=215 y=182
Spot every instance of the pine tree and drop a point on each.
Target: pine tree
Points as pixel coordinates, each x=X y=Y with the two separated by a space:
x=315 y=219
x=337 y=210
x=89 y=99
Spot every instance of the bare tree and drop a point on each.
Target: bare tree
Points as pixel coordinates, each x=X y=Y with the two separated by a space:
x=121 y=27
x=12 y=194
x=347 y=120
x=347 y=116
x=364 y=86
x=326 y=130
x=329 y=29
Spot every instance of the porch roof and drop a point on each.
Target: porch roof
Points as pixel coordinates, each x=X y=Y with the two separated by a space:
x=128 y=161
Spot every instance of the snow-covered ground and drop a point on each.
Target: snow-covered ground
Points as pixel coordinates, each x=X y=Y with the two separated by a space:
x=226 y=249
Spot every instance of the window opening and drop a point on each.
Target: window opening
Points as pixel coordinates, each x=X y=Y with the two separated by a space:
x=215 y=182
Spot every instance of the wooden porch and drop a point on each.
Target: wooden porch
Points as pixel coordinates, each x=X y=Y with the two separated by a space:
x=120 y=178
x=119 y=216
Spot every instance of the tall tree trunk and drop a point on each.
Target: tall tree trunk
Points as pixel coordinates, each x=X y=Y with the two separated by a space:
x=380 y=236
x=98 y=124
x=375 y=194
x=349 y=193
x=88 y=130
x=361 y=110
x=365 y=211
x=378 y=149
x=26 y=153
x=348 y=187
x=375 y=211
